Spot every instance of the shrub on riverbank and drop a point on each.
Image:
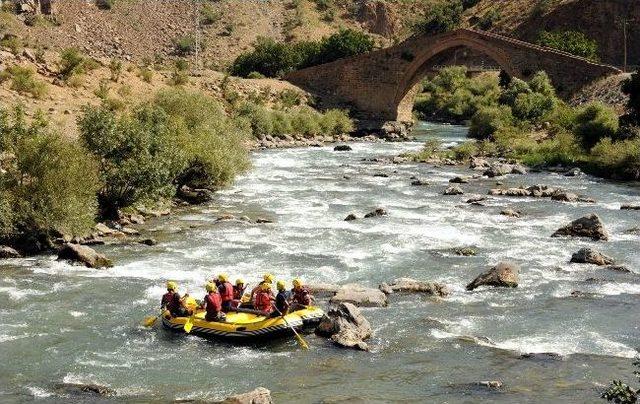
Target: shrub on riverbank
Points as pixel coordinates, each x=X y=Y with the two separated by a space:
x=47 y=183
x=180 y=138
x=303 y=121
x=275 y=59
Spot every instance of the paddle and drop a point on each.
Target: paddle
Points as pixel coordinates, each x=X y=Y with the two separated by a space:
x=189 y=324
x=151 y=320
x=301 y=341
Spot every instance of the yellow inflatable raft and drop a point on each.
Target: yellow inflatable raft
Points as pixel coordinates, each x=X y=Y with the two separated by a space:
x=247 y=326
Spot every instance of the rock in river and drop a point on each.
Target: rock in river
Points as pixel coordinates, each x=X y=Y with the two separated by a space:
x=350 y=217
x=81 y=389
x=376 y=213
x=510 y=213
x=346 y=326
x=257 y=396
x=454 y=190
x=412 y=285
x=360 y=296
x=591 y=256
x=8 y=252
x=588 y=226
x=342 y=147
x=504 y=274
x=85 y=255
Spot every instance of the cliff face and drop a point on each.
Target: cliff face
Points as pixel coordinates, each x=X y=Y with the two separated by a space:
x=601 y=20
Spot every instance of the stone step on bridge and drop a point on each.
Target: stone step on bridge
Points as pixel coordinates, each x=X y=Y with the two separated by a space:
x=379 y=87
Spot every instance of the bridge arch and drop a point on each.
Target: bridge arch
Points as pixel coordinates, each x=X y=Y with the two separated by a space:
x=377 y=86
x=416 y=71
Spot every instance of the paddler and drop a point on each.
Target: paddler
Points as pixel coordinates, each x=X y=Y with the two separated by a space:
x=225 y=288
x=266 y=279
x=172 y=302
x=263 y=299
x=301 y=297
x=238 y=293
x=282 y=300
x=212 y=303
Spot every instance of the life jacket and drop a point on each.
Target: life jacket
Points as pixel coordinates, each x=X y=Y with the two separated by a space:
x=226 y=292
x=171 y=300
x=281 y=301
x=214 y=303
x=263 y=301
x=238 y=292
x=302 y=296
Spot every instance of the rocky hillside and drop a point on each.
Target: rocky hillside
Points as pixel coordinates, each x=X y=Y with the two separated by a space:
x=137 y=29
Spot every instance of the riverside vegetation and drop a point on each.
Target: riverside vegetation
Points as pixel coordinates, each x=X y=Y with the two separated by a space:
x=52 y=186
x=527 y=121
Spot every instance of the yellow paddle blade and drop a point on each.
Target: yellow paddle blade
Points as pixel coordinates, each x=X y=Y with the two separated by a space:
x=149 y=321
x=188 y=325
x=302 y=342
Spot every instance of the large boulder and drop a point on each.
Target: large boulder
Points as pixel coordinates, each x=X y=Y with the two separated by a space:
x=342 y=147
x=84 y=255
x=509 y=192
x=194 y=196
x=591 y=256
x=8 y=252
x=83 y=389
x=588 y=226
x=360 y=296
x=541 y=191
x=257 y=396
x=412 y=285
x=323 y=289
x=346 y=326
x=505 y=274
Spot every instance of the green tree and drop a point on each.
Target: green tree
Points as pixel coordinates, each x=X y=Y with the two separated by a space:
x=574 y=42
x=595 y=122
x=631 y=87
x=443 y=17
x=49 y=183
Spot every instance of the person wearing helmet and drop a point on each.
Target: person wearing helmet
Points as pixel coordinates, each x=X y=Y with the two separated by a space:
x=238 y=289
x=282 y=300
x=266 y=279
x=263 y=299
x=212 y=303
x=225 y=288
x=238 y=293
x=172 y=302
x=301 y=297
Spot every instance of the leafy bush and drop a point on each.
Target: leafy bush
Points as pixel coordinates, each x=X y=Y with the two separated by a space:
x=574 y=42
x=443 y=17
x=50 y=183
x=488 y=120
x=146 y=74
x=115 y=67
x=74 y=63
x=23 y=80
x=136 y=153
x=621 y=393
x=255 y=75
x=185 y=45
x=532 y=106
x=208 y=15
x=275 y=59
x=336 y=122
x=13 y=43
x=211 y=146
x=489 y=18
x=594 y=122
x=465 y=150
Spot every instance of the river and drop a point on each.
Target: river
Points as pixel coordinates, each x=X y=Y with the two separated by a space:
x=69 y=324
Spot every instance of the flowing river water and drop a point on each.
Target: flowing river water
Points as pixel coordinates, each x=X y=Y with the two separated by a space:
x=63 y=323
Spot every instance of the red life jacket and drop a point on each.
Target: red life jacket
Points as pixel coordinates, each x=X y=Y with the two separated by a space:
x=214 y=303
x=238 y=292
x=302 y=296
x=226 y=292
x=171 y=300
x=263 y=301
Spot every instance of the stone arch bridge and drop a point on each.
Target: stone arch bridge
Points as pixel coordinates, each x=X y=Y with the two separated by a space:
x=380 y=86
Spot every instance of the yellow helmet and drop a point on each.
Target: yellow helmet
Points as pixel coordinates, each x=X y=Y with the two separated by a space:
x=172 y=285
x=223 y=278
x=210 y=287
x=265 y=286
x=297 y=282
x=280 y=285
x=268 y=278
x=239 y=281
